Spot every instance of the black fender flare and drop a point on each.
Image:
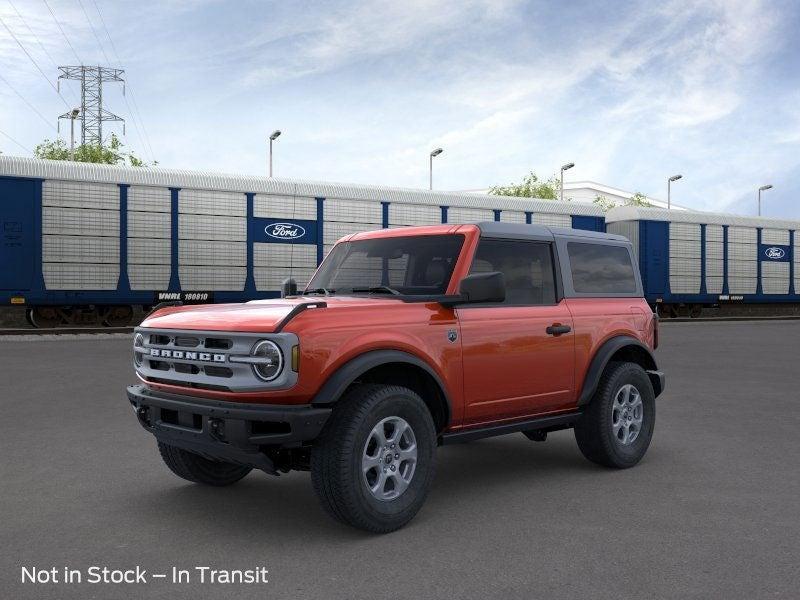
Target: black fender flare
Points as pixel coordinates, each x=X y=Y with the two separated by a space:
x=336 y=384
x=602 y=358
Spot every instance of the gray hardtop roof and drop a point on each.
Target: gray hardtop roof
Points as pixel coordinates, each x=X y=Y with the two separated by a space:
x=543 y=232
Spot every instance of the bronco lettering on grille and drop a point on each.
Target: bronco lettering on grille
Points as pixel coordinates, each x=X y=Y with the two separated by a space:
x=182 y=354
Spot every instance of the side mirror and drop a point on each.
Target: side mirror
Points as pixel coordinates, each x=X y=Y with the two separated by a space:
x=288 y=287
x=479 y=288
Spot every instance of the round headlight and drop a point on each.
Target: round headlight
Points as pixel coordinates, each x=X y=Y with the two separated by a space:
x=138 y=349
x=271 y=363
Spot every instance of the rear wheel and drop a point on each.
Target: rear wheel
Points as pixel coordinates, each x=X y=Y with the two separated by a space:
x=616 y=427
x=195 y=468
x=373 y=464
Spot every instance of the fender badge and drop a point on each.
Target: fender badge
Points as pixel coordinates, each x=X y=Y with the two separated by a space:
x=452 y=335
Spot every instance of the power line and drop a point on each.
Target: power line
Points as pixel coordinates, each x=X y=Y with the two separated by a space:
x=28 y=54
x=31 y=106
x=38 y=41
x=96 y=37
x=66 y=39
x=15 y=141
x=135 y=115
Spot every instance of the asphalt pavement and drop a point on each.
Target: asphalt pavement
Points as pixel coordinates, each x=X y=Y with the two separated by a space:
x=711 y=512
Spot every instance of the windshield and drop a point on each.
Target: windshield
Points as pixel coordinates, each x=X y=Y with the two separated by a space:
x=408 y=265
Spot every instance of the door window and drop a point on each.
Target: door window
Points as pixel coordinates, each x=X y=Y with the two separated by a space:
x=526 y=266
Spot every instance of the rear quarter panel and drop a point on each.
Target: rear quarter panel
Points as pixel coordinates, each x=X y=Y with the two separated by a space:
x=596 y=320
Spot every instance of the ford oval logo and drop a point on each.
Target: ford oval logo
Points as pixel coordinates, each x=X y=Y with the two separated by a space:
x=775 y=253
x=285 y=231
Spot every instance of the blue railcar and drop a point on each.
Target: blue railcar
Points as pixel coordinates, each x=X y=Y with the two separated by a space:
x=690 y=260
x=86 y=242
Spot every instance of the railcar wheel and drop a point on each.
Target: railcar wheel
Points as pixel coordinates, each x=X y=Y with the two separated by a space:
x=118 y=316
x=43 y=317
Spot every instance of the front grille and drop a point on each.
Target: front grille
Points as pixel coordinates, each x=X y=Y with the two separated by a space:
x=202 y=360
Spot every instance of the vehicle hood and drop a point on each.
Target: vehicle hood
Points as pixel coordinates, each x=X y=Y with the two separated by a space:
x=258 y=316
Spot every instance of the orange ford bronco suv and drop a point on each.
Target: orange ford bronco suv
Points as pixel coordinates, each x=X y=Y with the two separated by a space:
x=404 y=340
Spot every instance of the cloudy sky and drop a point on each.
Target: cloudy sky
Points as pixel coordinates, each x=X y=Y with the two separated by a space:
x=632 y=92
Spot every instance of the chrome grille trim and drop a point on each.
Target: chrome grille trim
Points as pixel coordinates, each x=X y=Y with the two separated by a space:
x=207 y=365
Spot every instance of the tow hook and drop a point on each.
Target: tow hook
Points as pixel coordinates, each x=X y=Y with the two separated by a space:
x=143 y=414
x=216 y=428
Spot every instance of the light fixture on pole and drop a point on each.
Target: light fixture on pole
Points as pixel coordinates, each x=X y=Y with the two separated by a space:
x=564 y=168
x=272 y=138
x=72 y=116
x=436 y=152
x=762 y=189
x=669 y=189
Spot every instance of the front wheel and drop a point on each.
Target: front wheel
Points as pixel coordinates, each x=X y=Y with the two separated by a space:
x=616 y=428
x=373 y=464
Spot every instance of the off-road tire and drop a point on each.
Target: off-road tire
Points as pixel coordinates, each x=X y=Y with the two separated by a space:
x=336 y=458
x=197 y=469
x=594 y=432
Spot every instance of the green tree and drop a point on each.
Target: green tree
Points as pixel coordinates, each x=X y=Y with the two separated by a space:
x=638 y=199
x=530 y=187
x=112 y=153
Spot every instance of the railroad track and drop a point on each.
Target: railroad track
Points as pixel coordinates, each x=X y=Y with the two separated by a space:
x=64 y=330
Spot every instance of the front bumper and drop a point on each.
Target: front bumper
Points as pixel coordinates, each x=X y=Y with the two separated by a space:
x=226 y=431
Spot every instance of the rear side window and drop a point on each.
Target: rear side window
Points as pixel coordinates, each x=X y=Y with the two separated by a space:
x=526 y=266
x=601 y=269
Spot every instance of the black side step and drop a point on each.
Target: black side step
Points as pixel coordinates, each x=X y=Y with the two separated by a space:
x=551 y=422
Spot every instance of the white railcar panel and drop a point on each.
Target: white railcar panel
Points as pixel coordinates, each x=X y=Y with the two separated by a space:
x=714 y=250
x=208 y=227
x=684 y=231
x=715 y=267
x=775 y=236
x=77 y=221
x=207 y=202
x=742 y=268
x=552 y=220
x=204 y=252
x=80 y=276
x=414 y=214
x=714 y=285
x=271 y=278
x=80 y=194
x=629 y=229
x=149 y=199
x=684 y=284
x=458 y=214
x=148 y=277
x=285 y=207
x=210 y=278
x=353 y=211
x=144 y=251
x=742 y=235
x=79 y=249
x=741 y=285
x=149 y=225
x=512 y=216
x=679 y=248
x=333 y=231
x=684 y=266
x=284 y=255
x=775 y=277
x=714 y=233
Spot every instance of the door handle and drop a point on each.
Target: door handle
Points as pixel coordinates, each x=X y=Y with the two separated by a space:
x=557 y=329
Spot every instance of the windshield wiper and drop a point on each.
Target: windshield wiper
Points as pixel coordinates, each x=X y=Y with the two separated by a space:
x=378 y=289
x=324 y=291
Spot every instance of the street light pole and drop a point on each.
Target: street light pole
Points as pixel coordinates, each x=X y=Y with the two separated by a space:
x=272 y=138
x=72 y=116
x=762 y=189
x=669 y=189
x=564 y=168
x=436 y=152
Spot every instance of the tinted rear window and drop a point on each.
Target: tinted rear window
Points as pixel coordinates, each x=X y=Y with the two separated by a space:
x=601 y=269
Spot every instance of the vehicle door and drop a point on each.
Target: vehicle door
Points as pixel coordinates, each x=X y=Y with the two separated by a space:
x=518 y=355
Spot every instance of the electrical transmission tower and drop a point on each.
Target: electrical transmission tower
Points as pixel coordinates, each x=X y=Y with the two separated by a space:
x=92 y=114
